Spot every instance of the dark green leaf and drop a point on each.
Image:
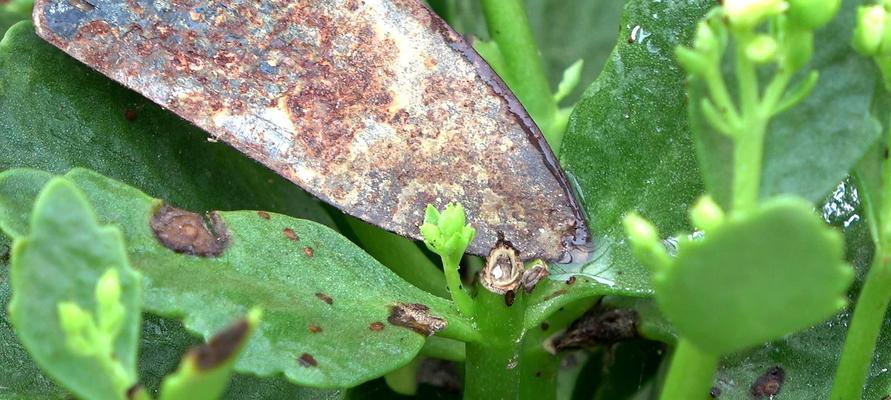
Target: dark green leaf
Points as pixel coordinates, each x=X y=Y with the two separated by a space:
x=65 y=240
x=814 y=145
x=56 y=114
x=319 y=280
x=628 y=145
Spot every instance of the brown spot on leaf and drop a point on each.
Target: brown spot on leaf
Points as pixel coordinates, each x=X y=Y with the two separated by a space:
x=599 y=326
x=545 y=326
x=290 y=234
x=416 y=317
x=571 y=280
x=307 y=360
x=324 y=297
x=556 y=293
x=313 y=328
x=263 y=214
x=308 y=251
x=221 y=347
x=714 y=392
x=187 y=232
x=769 y=383
x=136 y=388
x=130 y=114
x=376 y=326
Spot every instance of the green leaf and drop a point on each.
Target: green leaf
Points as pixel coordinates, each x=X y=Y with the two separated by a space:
x=628 y=146
x=205 y=370
x=57 y=114
x=320 y=280
x=809 y=357
x=780 y=253
x=570 y=80
x=811 y=147
x=61 y=261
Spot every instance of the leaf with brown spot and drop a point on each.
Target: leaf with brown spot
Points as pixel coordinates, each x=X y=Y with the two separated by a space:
x=204 y=372
x=261 y=268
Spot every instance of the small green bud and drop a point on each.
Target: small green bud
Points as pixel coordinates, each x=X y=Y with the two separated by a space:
x=639 y=229
x=798 y=48
x=108 y=289
x=692 y=61
x=74 y=321
x=762 y=49
x=746 y=14
x=445 y=233
x=645 y=242
x=108 y=297
x=706 y=214
x=869 y=29
x=705 y=41
x=812 y=14
x=451 y=220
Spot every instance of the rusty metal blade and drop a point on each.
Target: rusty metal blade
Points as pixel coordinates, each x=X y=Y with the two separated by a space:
x=375 y=106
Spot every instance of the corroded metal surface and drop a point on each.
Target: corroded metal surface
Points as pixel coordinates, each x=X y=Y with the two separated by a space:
x=375 y=106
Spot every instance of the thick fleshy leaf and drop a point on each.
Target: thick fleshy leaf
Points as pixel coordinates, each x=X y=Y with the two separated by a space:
x=807 y=358
x=781 y=254
x=65 y=240
x=812 y=146
x=324 y=299
x=628 y=145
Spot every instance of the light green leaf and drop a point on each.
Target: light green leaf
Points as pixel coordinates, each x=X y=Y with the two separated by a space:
x=781 y=254
x=322 y=296
x=570 y=80
x=61 y=261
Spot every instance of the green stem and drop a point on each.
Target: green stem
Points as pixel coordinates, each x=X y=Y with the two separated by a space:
x=444 y=349
x=405 y=380
x=872 y=303
x=747 y=159
x=863 y=332
x=509 y=27
x=492 y=365
x=456 y=288
x=691 y=373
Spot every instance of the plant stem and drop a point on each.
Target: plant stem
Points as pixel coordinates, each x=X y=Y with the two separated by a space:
x=872 y=303
x=453 y=279
x=509 y=27
x=492 y=365
x=690 y=375
x=863 y=331
x=747 y=157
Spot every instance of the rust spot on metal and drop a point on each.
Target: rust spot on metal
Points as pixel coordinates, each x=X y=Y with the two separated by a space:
x=377 y=107
x=313 y=328
x=187 y=232
x=221 y=347
x=308 y=251
x=290 y=234
x=416 y=317
x=376 y=326
x=769 y=384
x=307 y=360
x=263 y=214
x=324 y=297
